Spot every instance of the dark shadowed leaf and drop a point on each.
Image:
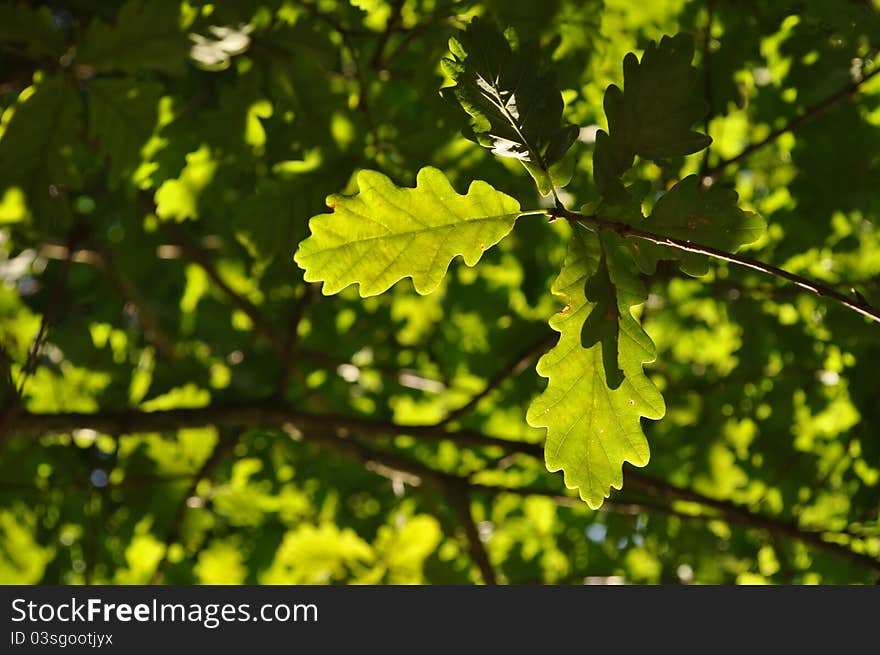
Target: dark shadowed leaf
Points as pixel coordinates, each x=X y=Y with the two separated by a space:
x=512 y=98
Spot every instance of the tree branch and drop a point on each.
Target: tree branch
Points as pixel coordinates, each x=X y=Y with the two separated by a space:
x=226 y=443
x=195 y=254
x=248 y=415
x=707 y=79
x=126 y=289
x=391 y=26
x=12 y=401
x=460 y=500
x=336 y=430
x=740 y=515
x=713 y=172
x=858 y=305
x=291 y=340
x=515 y=367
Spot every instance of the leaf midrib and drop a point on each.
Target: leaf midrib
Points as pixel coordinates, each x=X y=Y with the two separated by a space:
x=433 y=228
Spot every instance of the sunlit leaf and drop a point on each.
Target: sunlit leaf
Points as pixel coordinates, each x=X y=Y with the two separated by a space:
x=386 y=233
x=593 y=429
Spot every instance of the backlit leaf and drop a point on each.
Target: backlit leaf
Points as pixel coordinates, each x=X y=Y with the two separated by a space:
x=593 y=429
x=386 y=233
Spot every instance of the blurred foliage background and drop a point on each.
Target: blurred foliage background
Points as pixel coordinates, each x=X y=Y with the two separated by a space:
x=180 y=407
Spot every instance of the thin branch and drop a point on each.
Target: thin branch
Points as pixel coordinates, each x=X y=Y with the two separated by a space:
x=291 y=341
x=195 y=254
x=88 y=485
x=514 y=368
x=398 y=467
x=459 y=498
x=12 y=402
x=858 y=305
x=126 y=289
x=741 y=515
x=226 y=443
x=349 y=48
x=726 y=510
x=248 y=415
x=811 y=112
x=391 y=26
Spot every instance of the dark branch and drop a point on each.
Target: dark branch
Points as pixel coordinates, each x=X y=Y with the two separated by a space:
x=291 y=340
x=810 y=113
x=248 y=415
x=459 y=498
x=591 y=221
x=195 y=254
x=514 y=368
x=224 y=445
x=337 y=430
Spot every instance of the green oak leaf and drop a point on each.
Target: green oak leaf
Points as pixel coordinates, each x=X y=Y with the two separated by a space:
x=652 y=116
x=122 y=116
x=385 y=233
x=35 y=149
x=513 y=101
x=593 y=429
x=709 y=217
x=145 y=36
x=30 y=29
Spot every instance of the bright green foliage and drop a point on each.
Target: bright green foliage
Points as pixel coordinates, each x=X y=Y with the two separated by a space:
x=709 y=217
x=592 y=428
x=182 y=148
x=386 y=233
x=512 y=99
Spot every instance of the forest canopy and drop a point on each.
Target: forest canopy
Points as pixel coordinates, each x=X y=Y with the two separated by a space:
x=440 y=292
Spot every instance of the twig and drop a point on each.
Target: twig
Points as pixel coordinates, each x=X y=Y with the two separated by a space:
x=195 y=254
x=459 y=498
x=390 y=28
x=712 y=172
x=591 y=221
x=291 y=340
x=75 y=487
x=515 y=367
x=741 y=515
x=12 y=403
x=126 y=289
x=346 y=34
x=707 y=79
x=224 y=445
x=251 y=414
